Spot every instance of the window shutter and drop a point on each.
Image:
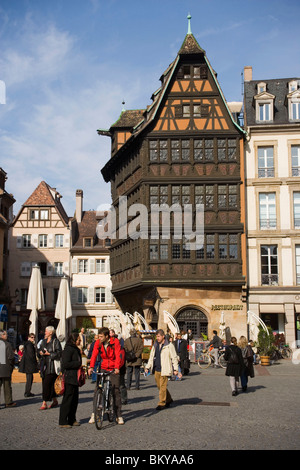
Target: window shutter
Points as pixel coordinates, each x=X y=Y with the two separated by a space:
x=108 y=295
x=34 y=240
x=91 y=296
x=92 y=265
x=107 y=265
x=73 y=295
x=66 y=267
x=49 y=269
x=74 y=266
x=19 y=241
x=66 y=241
x=178 y=111
x=50 y=240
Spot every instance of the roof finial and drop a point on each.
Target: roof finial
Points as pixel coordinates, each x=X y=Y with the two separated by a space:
x=189 y=24
x=123 y=103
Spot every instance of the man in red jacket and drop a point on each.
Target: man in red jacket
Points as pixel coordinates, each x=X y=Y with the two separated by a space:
x=111 y=360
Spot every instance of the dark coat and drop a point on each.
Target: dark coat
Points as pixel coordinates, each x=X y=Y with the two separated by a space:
x=234 y=368
x=71 y=362
x=47 y=362
x=7 y=359
x=247 y=354
x=29 y=364
x=183 y=351
x=136 y=344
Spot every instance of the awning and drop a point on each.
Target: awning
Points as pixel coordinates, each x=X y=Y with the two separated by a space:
x=271 y=308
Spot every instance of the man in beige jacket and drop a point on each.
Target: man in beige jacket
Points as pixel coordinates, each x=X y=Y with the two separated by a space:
x=164 y=363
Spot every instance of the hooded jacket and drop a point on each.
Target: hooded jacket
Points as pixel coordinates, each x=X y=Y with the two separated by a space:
x=111 y=356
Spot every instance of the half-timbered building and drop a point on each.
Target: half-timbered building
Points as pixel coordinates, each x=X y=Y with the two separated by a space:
x=185 y=148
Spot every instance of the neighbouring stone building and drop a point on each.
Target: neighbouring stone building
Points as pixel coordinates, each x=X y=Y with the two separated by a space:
x=272 y=122
x=90 y=270
x=40 y=234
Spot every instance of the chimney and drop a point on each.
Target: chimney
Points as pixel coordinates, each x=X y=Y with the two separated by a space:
x=79 y=204
x=247 y=73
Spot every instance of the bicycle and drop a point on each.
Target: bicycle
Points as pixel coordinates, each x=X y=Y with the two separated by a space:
x=206 y=359
x=103 y=402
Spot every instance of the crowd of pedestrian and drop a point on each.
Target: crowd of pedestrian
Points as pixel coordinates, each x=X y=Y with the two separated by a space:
x=169 y=358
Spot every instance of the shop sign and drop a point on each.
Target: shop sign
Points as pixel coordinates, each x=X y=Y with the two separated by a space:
x=227 y=307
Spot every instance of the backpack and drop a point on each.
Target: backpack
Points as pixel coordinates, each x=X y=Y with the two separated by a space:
x=130 y=355
x=233 y=357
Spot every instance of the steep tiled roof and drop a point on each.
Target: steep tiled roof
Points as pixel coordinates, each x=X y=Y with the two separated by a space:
x=129 y=118
x=41 y=196
x=44 y=195
x=87 y=229
x=190 y=46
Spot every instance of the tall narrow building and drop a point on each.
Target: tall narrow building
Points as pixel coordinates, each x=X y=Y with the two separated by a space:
x=272 y=121
x=185 y=148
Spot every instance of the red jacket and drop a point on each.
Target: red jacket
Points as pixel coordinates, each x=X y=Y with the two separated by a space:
x=111 y=357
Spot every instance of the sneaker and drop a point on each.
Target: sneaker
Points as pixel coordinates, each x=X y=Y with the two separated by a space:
x=120 y=420
x=92 y=419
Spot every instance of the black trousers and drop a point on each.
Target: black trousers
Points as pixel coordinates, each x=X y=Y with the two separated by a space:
x=68 y=407
x=137 y=375
x=48 y=387
x=29 y=381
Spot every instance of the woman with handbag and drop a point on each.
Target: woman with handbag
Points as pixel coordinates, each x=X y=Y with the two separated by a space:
x=50 y=354
x=235 y=365
x=71 y=365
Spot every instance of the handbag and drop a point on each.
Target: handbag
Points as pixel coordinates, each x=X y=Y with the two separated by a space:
x=81 y=376
x=130 y=355
x=59 y=384
x=57 y=366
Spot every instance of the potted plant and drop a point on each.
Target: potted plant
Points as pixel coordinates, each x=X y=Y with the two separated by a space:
x=265 y=345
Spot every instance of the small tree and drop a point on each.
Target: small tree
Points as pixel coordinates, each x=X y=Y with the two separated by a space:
x=265 y=341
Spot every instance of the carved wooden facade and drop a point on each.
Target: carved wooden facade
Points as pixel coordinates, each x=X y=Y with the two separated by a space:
x=183 y=149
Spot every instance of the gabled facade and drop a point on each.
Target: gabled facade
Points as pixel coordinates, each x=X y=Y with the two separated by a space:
x=272 y=121
x=185 y=148
x=90 y=271
x=39 y=234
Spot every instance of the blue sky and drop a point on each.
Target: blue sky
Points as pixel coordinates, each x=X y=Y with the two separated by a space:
x=68 y=65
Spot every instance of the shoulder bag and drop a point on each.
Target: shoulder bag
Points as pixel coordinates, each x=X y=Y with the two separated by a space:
x=130 y=355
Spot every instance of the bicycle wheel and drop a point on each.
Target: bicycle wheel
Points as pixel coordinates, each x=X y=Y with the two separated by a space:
x=204 y=361
x=99 y=407
x=111 y=407
x=286 y=353
x=222 y=361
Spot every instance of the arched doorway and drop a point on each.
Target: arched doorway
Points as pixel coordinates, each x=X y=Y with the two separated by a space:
x=191 y=318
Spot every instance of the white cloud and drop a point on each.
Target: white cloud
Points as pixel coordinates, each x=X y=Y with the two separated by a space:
x=58 y=99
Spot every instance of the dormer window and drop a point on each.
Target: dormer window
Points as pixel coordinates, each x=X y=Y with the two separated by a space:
x=294 y=101
x=264 y=104
x=293 y=85
x=261 y=87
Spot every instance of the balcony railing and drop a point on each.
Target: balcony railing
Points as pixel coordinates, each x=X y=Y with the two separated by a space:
x=266 y=224
x=266 y=172
x=269 y=279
